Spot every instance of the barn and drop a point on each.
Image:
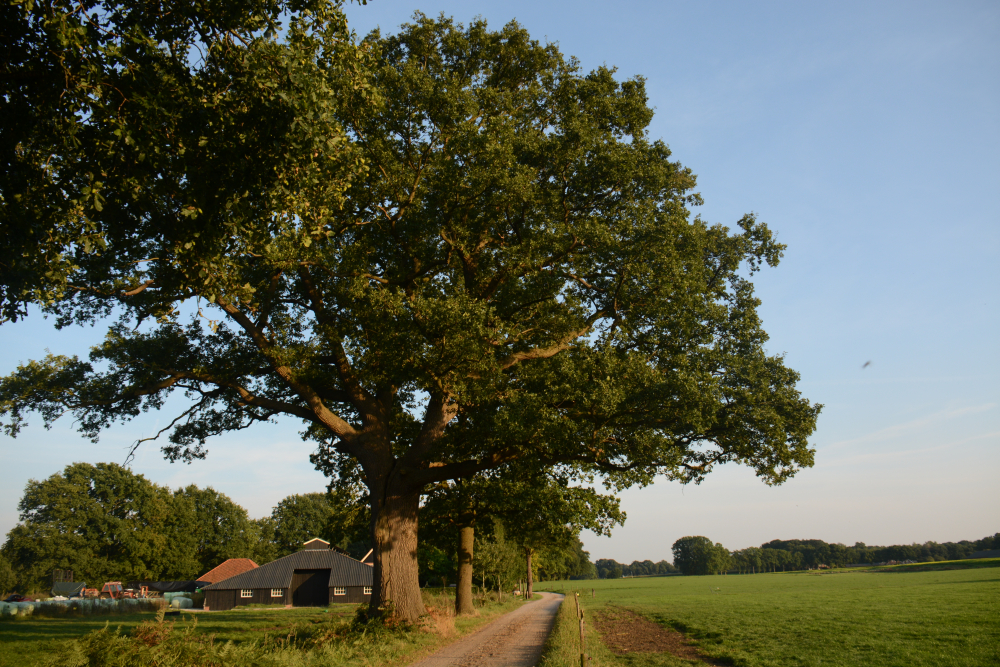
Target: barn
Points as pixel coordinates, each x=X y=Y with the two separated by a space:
x=314 y=577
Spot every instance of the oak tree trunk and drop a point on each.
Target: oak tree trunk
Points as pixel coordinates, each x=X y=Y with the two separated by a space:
x=530 y=591
x=396 y=586
x=463 y=592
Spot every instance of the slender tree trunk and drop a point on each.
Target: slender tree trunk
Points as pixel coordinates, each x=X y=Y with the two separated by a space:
x=396 y=589
x=463 y=592
x=529 y=592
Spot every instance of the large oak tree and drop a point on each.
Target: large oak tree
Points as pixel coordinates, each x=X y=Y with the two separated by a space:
x=444 y=251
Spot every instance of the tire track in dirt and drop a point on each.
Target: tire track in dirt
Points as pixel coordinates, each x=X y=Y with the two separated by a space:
x=513 y=640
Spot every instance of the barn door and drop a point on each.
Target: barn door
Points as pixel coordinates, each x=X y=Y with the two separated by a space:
x=310 y=588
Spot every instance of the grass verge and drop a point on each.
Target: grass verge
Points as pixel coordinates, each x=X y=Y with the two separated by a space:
x=562 y=649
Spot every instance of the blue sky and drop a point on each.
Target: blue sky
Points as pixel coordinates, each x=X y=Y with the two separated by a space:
x=867 y=136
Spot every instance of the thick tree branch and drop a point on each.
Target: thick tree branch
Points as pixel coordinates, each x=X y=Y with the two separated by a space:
x=328 y=418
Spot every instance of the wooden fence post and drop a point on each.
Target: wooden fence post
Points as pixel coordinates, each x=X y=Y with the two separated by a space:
x=583 y=637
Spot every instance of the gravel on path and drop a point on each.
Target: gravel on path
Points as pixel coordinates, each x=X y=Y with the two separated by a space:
x=513 y=640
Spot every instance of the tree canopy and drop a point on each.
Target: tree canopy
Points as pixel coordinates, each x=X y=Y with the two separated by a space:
x=698 y=555
x=105 y=522
x=334 y=517
x=443 y=251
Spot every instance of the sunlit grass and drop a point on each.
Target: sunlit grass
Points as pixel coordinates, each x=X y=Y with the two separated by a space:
x=894 y=618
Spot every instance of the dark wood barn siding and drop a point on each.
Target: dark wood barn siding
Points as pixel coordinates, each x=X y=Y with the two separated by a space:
x=259 y=596
x=225 y=600
x=220 y=600
x=354 y=595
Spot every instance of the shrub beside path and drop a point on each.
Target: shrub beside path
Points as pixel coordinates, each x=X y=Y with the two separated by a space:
x=513 y=640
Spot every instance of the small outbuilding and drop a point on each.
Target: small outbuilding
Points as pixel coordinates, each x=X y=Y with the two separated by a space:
x=228 y=568
x=314 y=577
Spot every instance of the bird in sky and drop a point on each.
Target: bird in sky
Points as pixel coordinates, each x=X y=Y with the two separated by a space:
x=867 y=364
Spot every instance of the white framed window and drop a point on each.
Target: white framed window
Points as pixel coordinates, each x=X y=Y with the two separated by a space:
x=277 y=593
x=368 y=590
x=246 y=593
x=339 y=590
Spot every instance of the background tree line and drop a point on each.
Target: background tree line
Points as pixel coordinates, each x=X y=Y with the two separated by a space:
x=608 y=568
x=815 y=552
x=698 y=555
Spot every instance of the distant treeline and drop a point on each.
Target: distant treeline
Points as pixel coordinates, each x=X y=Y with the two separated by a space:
x=800 y=554
x=699 y=555
x=608 y=568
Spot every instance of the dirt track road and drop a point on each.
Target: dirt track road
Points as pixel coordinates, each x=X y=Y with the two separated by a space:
x=513 y=640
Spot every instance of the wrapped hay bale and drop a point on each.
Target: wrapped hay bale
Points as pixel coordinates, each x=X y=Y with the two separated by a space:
x=7 y=609
x=25 y=608
x=181 y=603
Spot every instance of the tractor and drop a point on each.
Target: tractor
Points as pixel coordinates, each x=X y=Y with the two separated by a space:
x=112 y=590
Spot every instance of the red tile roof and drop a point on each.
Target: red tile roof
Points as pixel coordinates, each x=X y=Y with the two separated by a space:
x=229 y=568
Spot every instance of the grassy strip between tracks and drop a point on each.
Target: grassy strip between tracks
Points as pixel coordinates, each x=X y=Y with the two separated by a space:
x=562 y=649
x=937 y=617
x=254 y=637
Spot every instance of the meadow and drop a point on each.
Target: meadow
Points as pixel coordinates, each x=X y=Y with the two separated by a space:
x=253 y=636
x=936 y=616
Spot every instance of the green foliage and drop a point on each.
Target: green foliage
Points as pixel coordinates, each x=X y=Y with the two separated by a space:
x=811 y=553
x=155 y=136
x=570 y=562
x=298 y=519
x=220 y=528
x=8 y=579
x=266 y=549
x=445 y=251
x=337 y=517
x=437 y=566
x=107 y=523
x=104 y=523
x=608 y=568
x=537 y=260
x=698 y=555
x=499 y=560
x=540 y=513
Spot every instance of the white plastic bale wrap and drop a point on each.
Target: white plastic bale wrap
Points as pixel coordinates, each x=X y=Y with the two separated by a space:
x=7 y=609
x=25 y=608
x=181 y=603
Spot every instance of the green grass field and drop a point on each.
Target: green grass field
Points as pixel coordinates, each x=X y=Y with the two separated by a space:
x=939 y=617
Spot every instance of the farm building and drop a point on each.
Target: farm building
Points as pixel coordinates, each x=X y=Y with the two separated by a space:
x=228 y=568
x=314 y=577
